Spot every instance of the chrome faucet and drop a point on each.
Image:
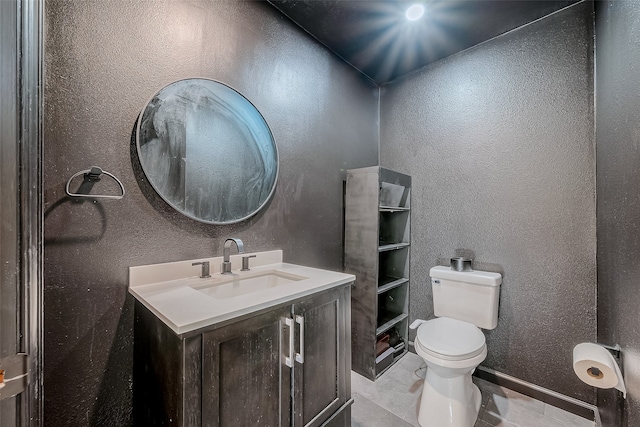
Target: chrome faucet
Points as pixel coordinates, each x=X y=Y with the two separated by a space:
x=226 y=253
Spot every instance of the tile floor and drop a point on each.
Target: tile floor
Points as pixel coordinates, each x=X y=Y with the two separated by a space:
x=392 y=401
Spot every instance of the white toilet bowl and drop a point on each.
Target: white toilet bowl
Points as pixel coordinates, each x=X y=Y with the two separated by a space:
x=452 y=350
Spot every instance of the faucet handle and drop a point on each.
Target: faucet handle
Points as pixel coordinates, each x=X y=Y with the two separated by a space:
x=204 y=273
x=245 y=262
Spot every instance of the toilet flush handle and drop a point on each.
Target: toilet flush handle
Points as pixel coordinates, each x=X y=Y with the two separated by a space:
x=416 y=323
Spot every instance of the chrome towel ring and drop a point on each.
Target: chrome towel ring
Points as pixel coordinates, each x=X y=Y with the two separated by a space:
x=94 y=175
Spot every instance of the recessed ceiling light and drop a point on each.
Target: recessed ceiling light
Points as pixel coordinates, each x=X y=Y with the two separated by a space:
x=414 y=12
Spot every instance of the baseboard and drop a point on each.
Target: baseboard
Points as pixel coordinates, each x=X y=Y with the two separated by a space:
x=542 y=394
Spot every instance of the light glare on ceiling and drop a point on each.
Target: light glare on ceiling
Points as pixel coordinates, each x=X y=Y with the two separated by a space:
x=414 y=12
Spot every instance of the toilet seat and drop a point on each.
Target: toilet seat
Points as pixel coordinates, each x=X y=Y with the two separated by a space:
x=450 y=339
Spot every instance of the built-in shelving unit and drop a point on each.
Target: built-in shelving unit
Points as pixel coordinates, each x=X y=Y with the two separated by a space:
x=377 y=245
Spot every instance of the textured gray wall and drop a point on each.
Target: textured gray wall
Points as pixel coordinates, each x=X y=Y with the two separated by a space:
x=618 y=177
x=104 y=60
x=499 y=141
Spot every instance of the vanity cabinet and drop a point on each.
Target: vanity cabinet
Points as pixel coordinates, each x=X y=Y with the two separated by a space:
x=377 y=245
x=288 y=365
x=245 y=381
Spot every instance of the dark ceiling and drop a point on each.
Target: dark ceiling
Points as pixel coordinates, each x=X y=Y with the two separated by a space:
x=377 y=39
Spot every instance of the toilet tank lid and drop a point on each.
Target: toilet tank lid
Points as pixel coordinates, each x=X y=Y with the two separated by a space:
x=477 y=277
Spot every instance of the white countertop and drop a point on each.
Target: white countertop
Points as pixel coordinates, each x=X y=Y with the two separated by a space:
x=170 y=290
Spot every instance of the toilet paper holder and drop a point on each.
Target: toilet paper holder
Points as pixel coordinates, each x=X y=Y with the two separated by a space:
x=599 y=365
x=614 y=349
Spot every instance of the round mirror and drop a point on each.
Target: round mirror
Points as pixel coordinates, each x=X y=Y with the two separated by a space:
x=207 y=151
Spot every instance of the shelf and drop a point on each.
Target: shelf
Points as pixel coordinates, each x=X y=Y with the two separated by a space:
x=393 y=209
x=390 y=321
x=377 y=212
x=395 y=359
x=387 y=283
x=392 y=246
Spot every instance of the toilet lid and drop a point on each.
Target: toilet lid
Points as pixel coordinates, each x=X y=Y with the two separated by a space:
x=451 y=337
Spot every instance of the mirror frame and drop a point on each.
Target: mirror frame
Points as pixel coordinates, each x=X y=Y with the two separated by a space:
x=188 y=215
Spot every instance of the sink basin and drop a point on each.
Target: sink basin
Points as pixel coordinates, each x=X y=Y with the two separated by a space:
x=238 y=285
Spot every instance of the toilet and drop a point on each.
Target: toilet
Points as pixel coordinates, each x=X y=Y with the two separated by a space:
x=452 y=345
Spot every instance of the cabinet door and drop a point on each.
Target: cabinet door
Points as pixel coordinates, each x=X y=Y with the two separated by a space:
x=322 y=368
x=245 y=379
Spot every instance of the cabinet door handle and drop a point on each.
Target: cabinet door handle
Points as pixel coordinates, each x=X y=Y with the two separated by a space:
x=289 y=359
x=300 y=355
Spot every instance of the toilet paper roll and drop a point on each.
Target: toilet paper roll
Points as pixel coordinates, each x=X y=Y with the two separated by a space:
x=594 y=365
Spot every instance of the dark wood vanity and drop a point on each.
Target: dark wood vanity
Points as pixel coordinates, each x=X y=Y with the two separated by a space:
x=286 y=365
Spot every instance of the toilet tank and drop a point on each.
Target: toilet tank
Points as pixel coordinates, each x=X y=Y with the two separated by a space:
x=470 y=296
